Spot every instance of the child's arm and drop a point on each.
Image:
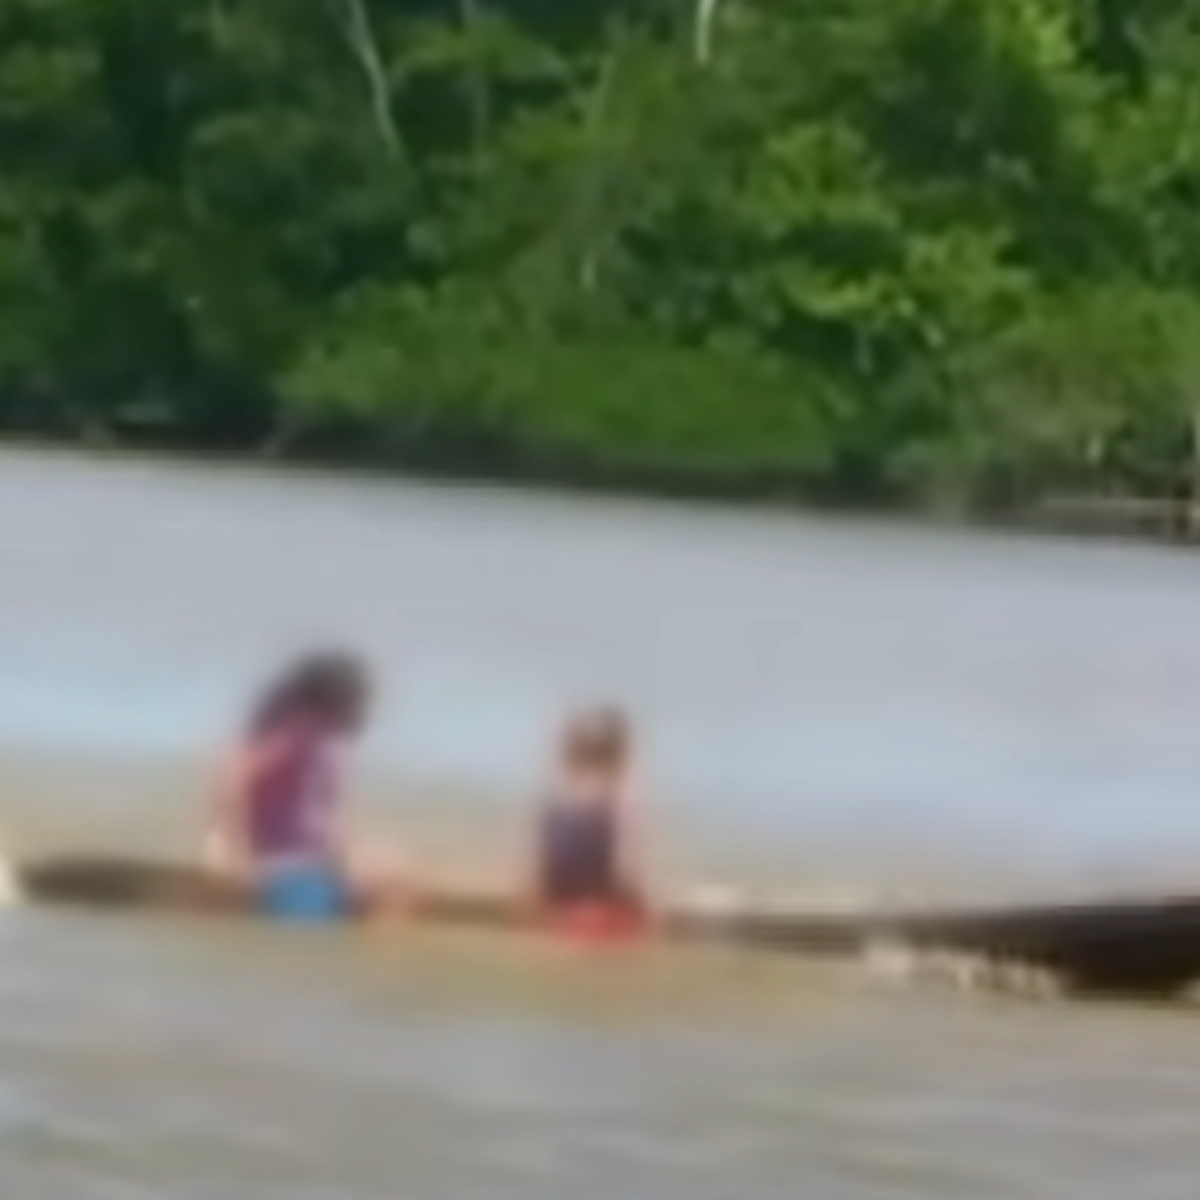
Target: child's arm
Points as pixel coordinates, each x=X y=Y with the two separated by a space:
x=529 y=868
x=632 y=842
x=225 y=847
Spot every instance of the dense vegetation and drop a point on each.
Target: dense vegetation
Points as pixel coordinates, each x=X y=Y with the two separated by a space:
x=876 y=249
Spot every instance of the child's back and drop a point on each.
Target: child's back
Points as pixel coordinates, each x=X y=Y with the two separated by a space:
x=583 y=852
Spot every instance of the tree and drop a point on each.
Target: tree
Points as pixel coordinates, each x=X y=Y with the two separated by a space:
x=881 y=249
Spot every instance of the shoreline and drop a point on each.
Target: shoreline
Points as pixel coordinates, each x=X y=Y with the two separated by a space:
x=1163 y=521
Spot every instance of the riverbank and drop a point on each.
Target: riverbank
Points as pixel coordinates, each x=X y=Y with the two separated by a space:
x=1169 y=520
x=883 y=313
x=1153 y=518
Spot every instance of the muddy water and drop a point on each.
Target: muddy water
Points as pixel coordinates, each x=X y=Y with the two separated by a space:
x=178 y=1062
x=825 y=704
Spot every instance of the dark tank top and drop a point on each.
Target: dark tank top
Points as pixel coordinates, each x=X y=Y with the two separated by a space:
x=579 y=857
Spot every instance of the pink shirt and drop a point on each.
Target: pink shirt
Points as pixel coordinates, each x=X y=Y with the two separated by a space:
x=292 y=802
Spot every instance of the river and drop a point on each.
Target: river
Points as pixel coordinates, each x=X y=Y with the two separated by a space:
x=824 y=704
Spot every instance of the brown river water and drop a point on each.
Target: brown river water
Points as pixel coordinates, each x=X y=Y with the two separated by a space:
x=829 y=707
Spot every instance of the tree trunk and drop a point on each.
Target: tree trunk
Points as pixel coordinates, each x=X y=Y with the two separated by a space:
x=360 y=35
x=706 y=14
x=478 y=95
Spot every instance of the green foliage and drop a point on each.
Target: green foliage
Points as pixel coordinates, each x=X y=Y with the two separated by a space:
x=889 y=248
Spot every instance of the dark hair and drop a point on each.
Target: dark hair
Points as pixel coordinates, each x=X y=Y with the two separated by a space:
x=598 y=737
x=331 y=685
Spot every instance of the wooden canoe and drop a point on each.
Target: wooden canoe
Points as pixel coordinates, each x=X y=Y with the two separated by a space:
x=1137 y=948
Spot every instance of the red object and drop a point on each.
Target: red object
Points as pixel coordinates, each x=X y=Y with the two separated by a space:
x=597 y=923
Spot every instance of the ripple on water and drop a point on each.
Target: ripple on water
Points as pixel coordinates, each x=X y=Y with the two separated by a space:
x=195 y=1060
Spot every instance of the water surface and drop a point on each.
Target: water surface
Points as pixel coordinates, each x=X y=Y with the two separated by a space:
x=170 y=1061
x=793 y=676
x=824 y=704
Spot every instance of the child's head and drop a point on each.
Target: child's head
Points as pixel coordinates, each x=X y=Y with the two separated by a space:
x=597 y=739
x=331 y=688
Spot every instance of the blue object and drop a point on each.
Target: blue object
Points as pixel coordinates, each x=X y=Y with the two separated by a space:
x=304 y=893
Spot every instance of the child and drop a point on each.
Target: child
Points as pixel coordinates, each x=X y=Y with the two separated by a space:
x=276 y=824
x=586 y=879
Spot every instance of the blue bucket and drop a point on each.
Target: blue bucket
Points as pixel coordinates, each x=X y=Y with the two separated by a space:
x=304 y=893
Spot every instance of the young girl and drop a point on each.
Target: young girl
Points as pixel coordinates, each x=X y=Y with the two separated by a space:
x=276 y=823
x=586 y=879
